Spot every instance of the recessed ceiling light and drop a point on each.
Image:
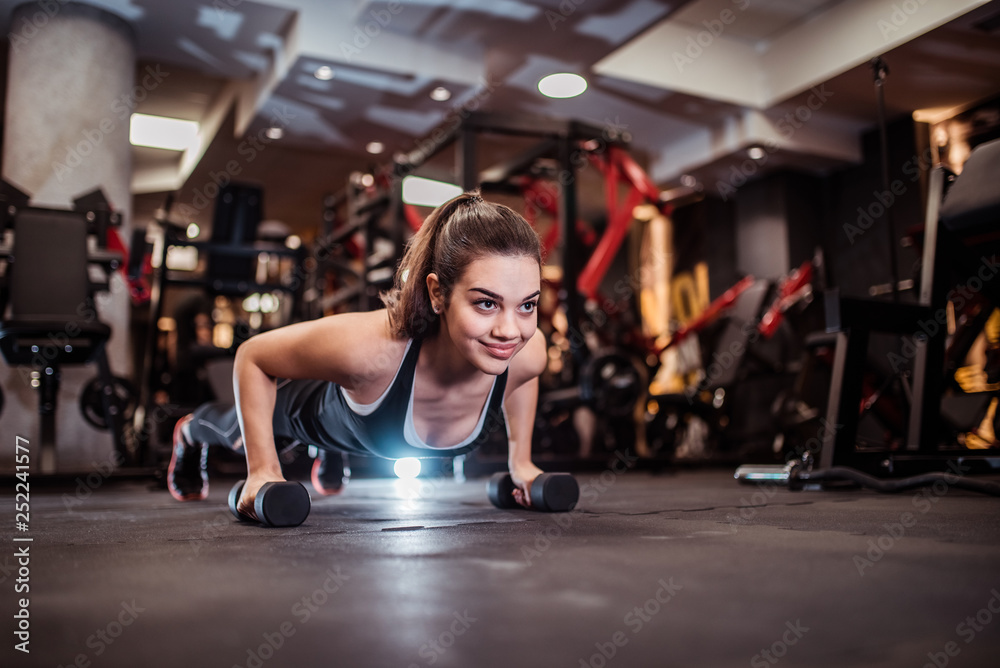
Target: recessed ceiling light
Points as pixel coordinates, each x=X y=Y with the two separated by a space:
x=375 y=147
x=755 y=152
x=274 y=133
x=323 y=73
x=562 y=85
x=688 y=181
x=172 y=134
x=440 y=94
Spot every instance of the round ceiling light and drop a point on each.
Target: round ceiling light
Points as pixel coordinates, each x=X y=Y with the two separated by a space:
x=440 y=94
x=323 y=73
x=562 y=85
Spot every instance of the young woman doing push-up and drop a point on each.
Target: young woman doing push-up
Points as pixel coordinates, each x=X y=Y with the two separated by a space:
x=455 y=354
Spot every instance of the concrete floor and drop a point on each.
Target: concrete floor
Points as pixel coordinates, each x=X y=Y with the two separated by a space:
x=688 y=569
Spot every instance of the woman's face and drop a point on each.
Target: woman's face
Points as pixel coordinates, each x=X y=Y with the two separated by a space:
x=492 y=311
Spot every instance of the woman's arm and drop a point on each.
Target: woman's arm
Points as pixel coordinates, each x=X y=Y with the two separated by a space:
x=332 y=348
x=521 y=402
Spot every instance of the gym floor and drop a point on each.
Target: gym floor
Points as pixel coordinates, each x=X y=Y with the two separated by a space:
x=680 y=569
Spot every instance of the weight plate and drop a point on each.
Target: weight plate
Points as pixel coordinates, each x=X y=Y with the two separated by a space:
x=124 y=399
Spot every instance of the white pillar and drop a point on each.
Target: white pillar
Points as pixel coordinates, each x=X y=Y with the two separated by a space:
x=69 y=97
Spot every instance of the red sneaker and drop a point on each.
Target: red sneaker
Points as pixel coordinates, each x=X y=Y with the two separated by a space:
x=187 y=475
x=330 y=472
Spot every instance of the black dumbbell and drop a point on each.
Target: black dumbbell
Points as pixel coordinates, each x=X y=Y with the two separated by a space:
x=278 y=504
x=550 y=492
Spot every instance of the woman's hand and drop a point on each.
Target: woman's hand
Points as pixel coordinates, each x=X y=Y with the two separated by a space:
x=250 y=488
x=523 y=475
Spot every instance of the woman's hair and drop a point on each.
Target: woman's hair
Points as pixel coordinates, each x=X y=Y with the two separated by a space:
x=453 y=236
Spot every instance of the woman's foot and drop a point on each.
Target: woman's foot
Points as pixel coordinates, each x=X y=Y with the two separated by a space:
x=330 y=472
x=187 y=475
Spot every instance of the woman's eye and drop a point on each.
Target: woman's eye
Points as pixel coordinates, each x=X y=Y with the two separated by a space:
x=529 y=307
x=486 y=304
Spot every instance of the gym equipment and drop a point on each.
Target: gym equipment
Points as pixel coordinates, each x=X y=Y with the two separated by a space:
x=546 y=176
x=611 y=383
x=742 y=368
x=615 y=381
x=798 y=475
x=122 y=399
x=277 y=504
x=550 y=492
x=53 y=319
x=960 y=234
x=232 y=254
x=238 y=211
x=357 y=253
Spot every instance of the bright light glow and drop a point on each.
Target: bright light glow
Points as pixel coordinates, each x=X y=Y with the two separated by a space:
x=936 y=114
x=755 y=152
x=375 y=147
x=193 y=230
x=252 y=303
x=688 y=181
x=274 y=133
x=268 y=303
x=407 y=467
x=293 y=241
x=172 y=134
x=440 y=94
x=323 y=73
x=182 y=258
x=427 y=192
x=367 y=180
x=562 y=85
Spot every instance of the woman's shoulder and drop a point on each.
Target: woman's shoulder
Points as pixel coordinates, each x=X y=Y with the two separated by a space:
x=367 y=345
x=529 y=363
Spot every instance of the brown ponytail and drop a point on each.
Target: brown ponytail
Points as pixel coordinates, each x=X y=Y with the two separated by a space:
x=456 y=233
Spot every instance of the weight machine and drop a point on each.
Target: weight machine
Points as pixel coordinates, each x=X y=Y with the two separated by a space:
x=545 y=175
x=53 y=319
x=232 y=255
x=960 y=238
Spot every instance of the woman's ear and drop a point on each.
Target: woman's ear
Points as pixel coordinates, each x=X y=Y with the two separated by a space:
x=434 y=290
